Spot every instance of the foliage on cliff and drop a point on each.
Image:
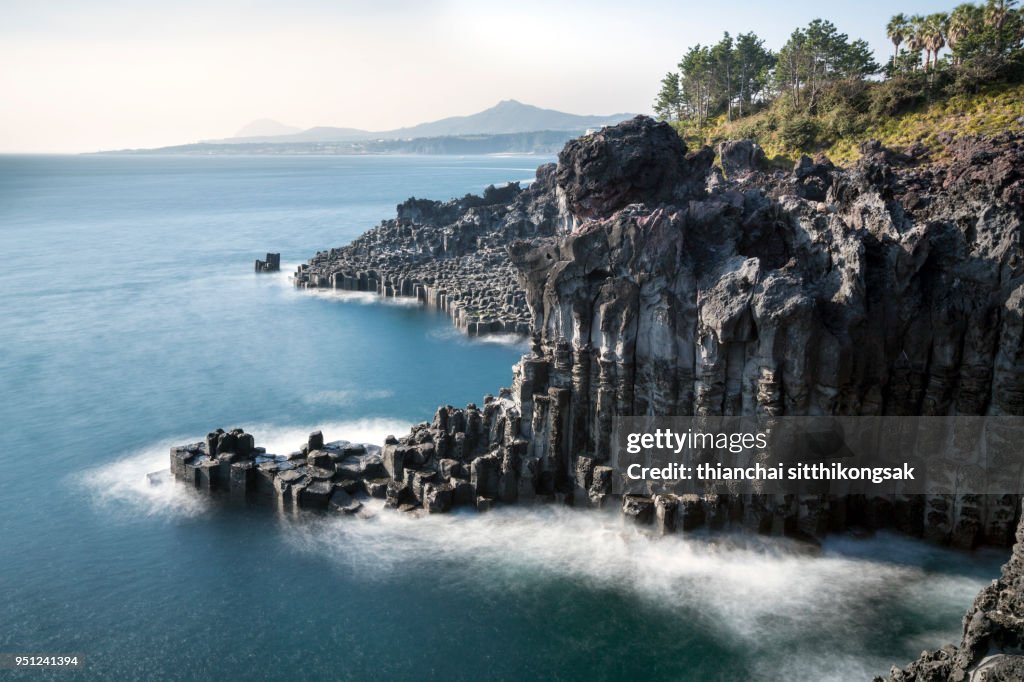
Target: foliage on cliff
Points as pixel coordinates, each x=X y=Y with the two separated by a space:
x=785 y=134
x=958 y=72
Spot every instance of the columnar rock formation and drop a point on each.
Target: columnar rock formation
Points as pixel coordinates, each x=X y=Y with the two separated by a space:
x=450 y=256
x=654 y=284
x=271 y=264
x=318 y=476
x=893 y=288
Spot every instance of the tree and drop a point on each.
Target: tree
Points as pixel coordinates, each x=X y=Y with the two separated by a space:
x=814 y=57
x=858 y=61
x=897 y=30
x=933 y=37
x=669 y=104
x=753 y=63
x=695 y=82
x=965 y=22
x=791 y=66
x=722 y=74
x=915 y=39
x=996 y=14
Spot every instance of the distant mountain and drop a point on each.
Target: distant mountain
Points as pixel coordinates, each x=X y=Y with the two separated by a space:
x=266 y=127
x=507 y=116
x=504 y=118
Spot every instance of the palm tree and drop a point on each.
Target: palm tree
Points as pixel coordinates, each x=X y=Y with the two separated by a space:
x=935 y=28
x=996 y=12
x=965 y=20
x=897 y=29
x=915 y=36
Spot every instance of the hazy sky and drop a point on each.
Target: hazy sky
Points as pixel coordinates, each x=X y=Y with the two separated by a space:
x=81 y=75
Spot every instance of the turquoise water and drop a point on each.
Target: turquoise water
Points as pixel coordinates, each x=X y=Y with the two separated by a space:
x=132 y=320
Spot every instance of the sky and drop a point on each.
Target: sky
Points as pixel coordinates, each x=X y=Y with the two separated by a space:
x=85 y=75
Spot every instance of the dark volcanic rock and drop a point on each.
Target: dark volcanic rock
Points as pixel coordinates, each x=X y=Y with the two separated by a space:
x=992 y=647
x=637 y=161
x=740 y=157
x=271 y=264
x=448 y=255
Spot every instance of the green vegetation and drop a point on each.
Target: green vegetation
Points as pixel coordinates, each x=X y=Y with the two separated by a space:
x=959 y=72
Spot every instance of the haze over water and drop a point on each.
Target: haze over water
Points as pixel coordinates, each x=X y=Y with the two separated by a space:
x=133 y=321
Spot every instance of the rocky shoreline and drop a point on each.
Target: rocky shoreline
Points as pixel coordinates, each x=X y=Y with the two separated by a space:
x=654 y=282
x=450 y=256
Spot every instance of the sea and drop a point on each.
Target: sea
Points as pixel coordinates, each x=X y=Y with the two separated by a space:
x=131 y=320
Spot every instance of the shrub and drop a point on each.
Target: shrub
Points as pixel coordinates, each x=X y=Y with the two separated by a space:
x=798 y=132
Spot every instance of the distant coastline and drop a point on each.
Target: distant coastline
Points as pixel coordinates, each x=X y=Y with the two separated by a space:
x=541 y=142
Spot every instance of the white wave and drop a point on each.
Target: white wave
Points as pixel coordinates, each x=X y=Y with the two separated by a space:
x=122 y=486
x=284 y=439
x=362 y=297
x=454 y=335
x=346 y=397
x=514 y=340
x=769 y=594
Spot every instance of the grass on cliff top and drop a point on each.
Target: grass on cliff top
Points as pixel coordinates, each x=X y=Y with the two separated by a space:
x=785 y=135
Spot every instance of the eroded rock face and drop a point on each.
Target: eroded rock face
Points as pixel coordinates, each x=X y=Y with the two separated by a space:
x=636 y=161
x=654 y=285
x=319 y=476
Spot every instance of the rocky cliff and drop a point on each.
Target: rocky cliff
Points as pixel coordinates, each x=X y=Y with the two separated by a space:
x=654 y=282
x=448 y=255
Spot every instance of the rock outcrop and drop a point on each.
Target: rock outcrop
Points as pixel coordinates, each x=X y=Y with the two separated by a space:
x=449 y=256
x=992 y=646
x=319 y=476
x=655 y=285
x=271 y=264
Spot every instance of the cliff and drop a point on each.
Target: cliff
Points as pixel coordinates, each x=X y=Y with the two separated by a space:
x=656 y=283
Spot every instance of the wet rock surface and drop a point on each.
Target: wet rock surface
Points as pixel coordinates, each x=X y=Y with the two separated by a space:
x=333 y=476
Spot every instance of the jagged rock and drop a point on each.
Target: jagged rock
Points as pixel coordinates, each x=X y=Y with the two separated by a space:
x=320 y=459
x=637 y=161
x=376 y=487
x=271 y=264
x=740 y=157
x=316 y=494
x=342 y=501
x=437 y=498
x=993 y=634
x=638 y=508
x=449 y=256
x=654 y=285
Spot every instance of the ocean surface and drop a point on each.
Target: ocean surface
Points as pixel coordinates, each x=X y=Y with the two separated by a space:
x=132 y=320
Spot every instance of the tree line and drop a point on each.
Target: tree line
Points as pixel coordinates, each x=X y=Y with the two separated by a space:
x=989 y=32
x=735 y=77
